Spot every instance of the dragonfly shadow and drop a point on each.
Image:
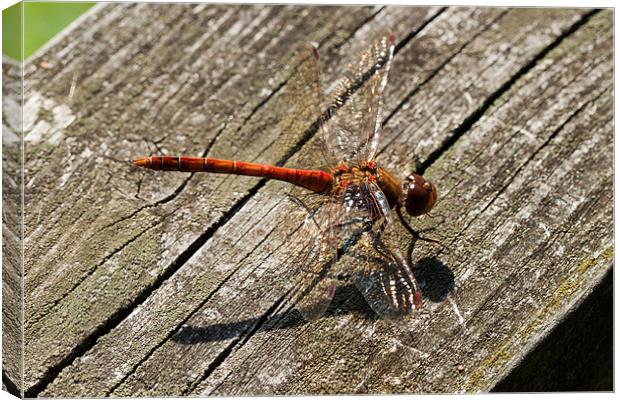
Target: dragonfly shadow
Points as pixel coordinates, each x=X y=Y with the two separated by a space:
x=347 y=299
x=435 y=278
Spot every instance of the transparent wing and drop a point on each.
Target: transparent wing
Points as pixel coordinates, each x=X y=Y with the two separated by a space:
x=302 y=124
x=303 y=103
x=316 y=281
x=385 y=279
x=379 y=271
x=354 y=127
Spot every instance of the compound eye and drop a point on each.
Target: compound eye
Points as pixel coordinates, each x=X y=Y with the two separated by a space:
x=420 y=195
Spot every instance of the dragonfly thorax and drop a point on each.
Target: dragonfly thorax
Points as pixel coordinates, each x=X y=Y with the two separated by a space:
x=416 y=194
x=345 y=173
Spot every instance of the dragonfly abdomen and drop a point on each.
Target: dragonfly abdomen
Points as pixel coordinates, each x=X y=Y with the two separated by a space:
x=314 y=180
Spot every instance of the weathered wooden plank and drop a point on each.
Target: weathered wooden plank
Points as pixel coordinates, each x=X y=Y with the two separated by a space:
x=159 y=377
x=83 y=275
x=414 y=18
x=324 y=359
x=12 y=293
x=528 y=197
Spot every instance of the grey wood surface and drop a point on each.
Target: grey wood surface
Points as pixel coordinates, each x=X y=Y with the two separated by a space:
x=12 y=321
x=145 y=283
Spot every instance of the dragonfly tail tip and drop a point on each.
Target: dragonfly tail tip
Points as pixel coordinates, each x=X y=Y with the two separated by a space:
x=141 y=162
x=315 y=52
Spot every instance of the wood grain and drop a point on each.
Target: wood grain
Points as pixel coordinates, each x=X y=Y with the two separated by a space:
x=146 y=283
x=12 y=293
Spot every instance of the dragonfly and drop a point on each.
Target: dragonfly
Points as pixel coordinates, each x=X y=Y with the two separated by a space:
x=348 y=200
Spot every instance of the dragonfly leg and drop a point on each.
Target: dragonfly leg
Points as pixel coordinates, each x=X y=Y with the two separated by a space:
x=418 y=166
x=413 y=232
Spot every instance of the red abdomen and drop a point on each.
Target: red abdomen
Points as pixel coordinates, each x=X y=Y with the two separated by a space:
x=314 y=180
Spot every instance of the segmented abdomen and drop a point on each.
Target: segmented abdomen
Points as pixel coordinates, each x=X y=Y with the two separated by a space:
x=314 y=180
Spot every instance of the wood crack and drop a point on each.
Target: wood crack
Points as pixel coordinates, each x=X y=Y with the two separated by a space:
x=530 y=158
x=115 y=319
x=358 y=27
x=92 y=270
x=415 y=90
x=402 y=43
x=471 y=119
x=119 y=315
x=241 y=340
x=179 y=326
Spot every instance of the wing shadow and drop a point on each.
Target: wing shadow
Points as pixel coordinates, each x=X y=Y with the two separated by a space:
x=347 y=299
x=435 y=278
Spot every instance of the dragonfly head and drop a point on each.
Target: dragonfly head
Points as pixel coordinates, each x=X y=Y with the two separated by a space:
x=420 y=195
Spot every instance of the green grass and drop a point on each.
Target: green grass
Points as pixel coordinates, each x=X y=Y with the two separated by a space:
x=41 y=22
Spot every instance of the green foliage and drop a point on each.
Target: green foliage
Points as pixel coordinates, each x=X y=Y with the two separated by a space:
x=41 y=22
x=11 y=31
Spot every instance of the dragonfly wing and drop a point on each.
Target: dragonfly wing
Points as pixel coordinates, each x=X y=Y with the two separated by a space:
x=385 y=278
x=304 y=100
x=354 y=129
x=379 y=271
x=315 y=300
x=316 y=283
